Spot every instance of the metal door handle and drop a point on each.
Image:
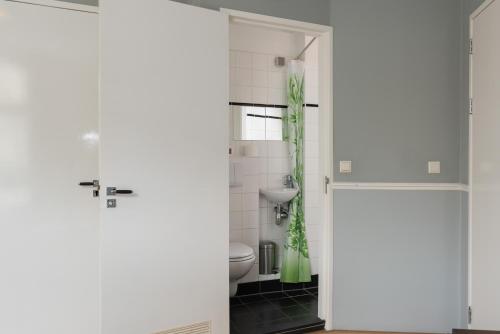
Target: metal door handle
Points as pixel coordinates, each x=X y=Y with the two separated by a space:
x=94 y=183
x=112 y=191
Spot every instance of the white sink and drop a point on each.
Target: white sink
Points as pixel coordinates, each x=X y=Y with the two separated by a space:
x=279 y=195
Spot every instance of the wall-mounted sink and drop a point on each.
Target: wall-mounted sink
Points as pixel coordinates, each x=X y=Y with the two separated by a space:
x=279 y=195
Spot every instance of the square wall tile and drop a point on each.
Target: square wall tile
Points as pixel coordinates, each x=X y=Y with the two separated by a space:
x=250 y=201
x=251 y=184
x=259 y=61
x=278 y=165
x=311 y=116
x=312 y=183
x=276 y=96
x=232 y=58
x=259 y=78
x=311 y=77
x=235 y=202
x=251 y=219
x=242 y=77
x=262 y=148
x=262 y=202
x=259 y=95
x=272 y=232
x=278 y=149
x=313 y=232
x=314 y=249
x=263 y=216
x=263 y=181
x=277 y=80
x=235 y=236
x=311 y=133
x=312 y=216
x=251 y=236
x=235 y=220
x=241 y=94
x=311 y=94
x=235 y=189
x=243 y=59
x=311 y=149
x=311 y=166
x=314 y=266
x=251 y=166
x=311 y=199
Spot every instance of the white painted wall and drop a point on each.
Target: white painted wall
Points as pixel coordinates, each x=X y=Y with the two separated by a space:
x=49 y=279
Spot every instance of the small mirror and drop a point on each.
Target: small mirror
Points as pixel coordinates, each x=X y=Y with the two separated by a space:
x=256 y=123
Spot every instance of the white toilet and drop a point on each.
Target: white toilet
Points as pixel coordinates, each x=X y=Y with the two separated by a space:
x=241 y=260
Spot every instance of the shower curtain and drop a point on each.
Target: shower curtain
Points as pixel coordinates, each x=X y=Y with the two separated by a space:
x=296 y=266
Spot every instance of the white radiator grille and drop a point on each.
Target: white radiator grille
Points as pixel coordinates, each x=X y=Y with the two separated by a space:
x=201 y=328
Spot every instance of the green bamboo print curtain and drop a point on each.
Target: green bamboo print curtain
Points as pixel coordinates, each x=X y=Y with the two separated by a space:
x=296 y=266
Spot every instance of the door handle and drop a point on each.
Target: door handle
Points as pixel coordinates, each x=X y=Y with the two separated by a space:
x=93 y=183
x=112 y=191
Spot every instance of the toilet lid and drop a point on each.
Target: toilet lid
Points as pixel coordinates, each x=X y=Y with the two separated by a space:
x=237 y=250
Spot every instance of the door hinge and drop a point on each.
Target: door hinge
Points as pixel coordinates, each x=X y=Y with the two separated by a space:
x=469 y=315
x=470 y=106
x=327 y=182
x=471 y=47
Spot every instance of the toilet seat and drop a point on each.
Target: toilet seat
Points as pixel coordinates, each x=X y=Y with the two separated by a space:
x=242 y=259
x=239 y=252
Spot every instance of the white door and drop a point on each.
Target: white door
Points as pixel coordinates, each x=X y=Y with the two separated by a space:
x=164 y=83
x=48 y=144
x=485 y=169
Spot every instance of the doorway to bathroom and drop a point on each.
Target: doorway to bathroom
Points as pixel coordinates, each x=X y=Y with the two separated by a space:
x=280 y=135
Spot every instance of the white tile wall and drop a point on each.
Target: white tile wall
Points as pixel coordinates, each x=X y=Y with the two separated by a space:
x=256 y=79
x=313 y=187
x=244 y=210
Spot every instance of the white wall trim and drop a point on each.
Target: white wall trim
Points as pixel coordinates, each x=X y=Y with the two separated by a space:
x=480 y=9
x=399 y=186
x=275 y=22
x=60 y=5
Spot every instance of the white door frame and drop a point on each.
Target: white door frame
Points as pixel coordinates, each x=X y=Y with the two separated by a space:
x=472 y=17
x=325 y=38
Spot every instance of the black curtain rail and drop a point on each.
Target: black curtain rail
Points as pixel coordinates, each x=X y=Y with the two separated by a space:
x=263 y=116
x=282 y=106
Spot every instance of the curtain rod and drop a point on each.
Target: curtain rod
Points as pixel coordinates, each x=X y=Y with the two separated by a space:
x=305 y=49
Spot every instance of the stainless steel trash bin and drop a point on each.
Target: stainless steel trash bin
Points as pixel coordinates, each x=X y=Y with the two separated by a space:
x=267 y=257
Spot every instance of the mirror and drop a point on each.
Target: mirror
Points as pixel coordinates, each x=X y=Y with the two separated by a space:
x=256 y=123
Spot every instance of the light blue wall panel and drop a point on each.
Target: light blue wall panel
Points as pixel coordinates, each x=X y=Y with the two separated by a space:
x=398 y=260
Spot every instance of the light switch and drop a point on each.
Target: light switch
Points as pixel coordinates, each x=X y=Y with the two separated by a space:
x=434 y=167
x=345 y=167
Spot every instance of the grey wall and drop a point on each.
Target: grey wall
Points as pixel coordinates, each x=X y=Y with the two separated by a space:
x=317 y=11
x=396 y=88
x=398 y=260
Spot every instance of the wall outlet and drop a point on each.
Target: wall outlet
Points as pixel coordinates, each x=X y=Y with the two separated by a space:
x=434 y=167
x=345 y=167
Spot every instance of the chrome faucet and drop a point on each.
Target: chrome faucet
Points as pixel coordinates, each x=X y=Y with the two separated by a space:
x=288 y=181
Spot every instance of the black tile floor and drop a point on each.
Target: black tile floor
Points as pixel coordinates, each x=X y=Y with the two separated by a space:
x=293 y=311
